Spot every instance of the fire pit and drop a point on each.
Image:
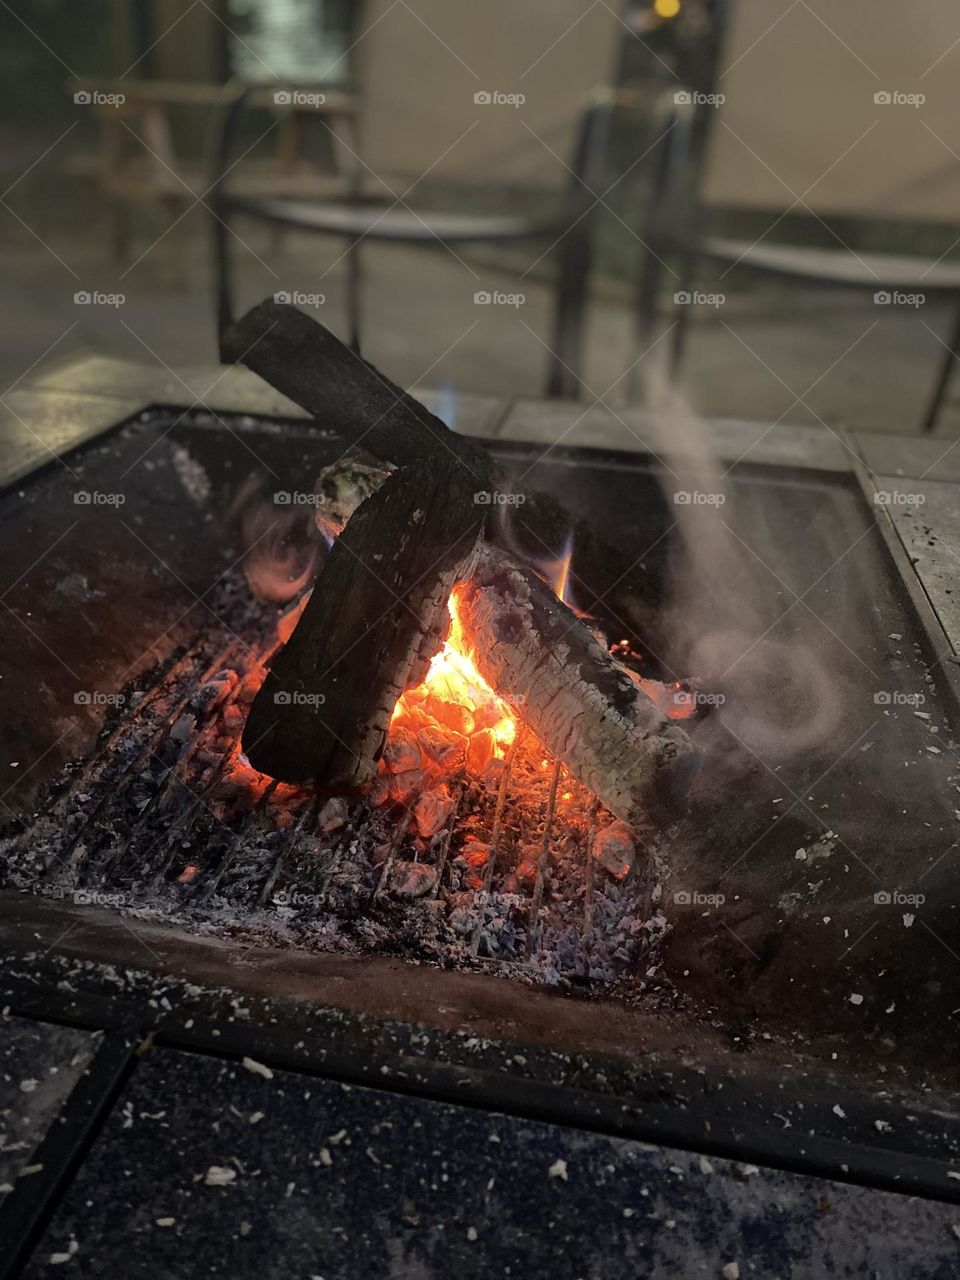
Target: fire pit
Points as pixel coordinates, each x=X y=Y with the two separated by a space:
x=761 y=919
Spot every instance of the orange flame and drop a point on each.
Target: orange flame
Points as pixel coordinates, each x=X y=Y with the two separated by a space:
x=453 y=678
x=556 y=574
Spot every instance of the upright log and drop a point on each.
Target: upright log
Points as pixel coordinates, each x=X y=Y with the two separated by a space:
x=377 y=614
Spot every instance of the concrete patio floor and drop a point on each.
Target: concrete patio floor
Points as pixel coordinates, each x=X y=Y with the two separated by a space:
x=770 y=353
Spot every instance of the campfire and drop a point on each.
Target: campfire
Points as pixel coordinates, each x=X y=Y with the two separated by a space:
x=427 y=748
x=421 y=593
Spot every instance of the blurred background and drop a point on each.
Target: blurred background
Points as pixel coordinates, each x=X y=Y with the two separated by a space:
x=536 y=199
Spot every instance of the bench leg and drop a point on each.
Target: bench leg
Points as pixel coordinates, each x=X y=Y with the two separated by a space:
x=943 y=377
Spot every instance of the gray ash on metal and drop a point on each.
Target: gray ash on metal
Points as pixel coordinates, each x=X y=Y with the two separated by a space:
x=166 y=820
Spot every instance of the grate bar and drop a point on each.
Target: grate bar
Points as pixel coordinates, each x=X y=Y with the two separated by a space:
x=391 y=855
x=587 y=931
x=178 y=826
x=444 y=851
x=495 y=839
x=537 y=897
x=306 y=822
x=257 y=814
x=70 y=853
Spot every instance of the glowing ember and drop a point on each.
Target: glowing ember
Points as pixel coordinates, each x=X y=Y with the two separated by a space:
x=455 y=698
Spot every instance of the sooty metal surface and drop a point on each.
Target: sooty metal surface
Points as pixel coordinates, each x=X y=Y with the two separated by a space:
x=781 y=885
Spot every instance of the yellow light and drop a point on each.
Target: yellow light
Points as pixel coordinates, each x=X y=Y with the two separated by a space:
x=666 y=8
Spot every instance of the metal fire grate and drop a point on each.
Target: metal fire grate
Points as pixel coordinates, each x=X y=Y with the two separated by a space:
x=165 y=819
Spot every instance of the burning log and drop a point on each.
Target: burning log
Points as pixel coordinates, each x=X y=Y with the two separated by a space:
x=579 y=702
x=377 y=614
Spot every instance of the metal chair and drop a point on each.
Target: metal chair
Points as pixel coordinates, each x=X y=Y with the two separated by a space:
x=436 y=113
x=810 y=108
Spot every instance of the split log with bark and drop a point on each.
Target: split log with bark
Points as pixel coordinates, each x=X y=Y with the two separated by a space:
x=577 y=700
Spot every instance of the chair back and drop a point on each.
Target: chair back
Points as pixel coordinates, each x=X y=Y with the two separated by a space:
x=847 y=109
x=483 y=93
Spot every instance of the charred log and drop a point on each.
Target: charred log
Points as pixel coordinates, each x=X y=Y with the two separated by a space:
x=376 y=616
x=578 y=701
x=307 y=363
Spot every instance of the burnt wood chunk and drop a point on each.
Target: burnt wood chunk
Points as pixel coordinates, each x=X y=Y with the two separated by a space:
x=377 y=614
x=311 y=366
x=579 y=702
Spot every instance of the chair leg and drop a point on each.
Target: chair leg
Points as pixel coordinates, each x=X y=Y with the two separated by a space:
x=678 y=344
x=354 y=290
x=223 y=259
x=943 y=377
x=645 y=313
x=566 y=349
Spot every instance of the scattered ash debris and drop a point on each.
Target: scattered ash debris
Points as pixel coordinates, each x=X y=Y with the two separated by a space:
x=506 y=863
